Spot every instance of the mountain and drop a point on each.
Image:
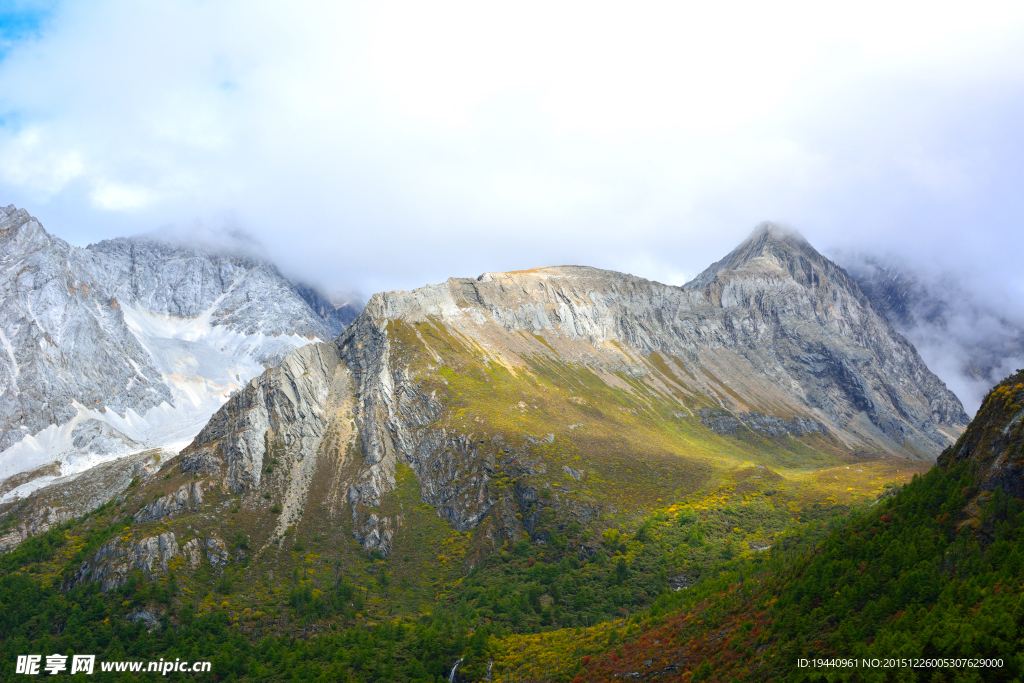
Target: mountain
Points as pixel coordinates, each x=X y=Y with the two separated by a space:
x=338 y=312
x=127 y=344
x=474 y=462
x=971 y=337
x=777 y=276
x=774 y=338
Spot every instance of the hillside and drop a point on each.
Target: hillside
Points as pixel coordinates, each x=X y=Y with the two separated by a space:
x=933 y=572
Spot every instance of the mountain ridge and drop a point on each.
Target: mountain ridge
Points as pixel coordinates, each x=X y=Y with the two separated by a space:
x=808 y=349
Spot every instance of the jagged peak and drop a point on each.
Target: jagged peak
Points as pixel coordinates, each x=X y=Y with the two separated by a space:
x=175 y=248
x=782 y=243
x=22 y=232
x=12 y=216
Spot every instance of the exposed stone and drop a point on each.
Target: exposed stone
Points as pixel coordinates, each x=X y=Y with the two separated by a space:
x=679 y=582
x=192 y=552
x=93 y=436
x=149 y=618
x=287 y=404
x=116 y=559
x=188 y=497
x=72 y=497
x=35 y=521
x=216 y=552
x=769 y=425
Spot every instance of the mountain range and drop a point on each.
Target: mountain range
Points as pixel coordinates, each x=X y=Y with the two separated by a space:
x=420 y=490
x=130 y=344
x=455 y=380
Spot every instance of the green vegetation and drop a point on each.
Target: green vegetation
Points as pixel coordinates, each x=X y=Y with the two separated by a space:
x=524 y=588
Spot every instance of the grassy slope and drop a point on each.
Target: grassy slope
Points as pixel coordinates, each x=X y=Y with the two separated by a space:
x=933 y=572
x=675 y=499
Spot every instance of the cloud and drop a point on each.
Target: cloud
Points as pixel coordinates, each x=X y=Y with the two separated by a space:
x=968 y=330
x=387 y=145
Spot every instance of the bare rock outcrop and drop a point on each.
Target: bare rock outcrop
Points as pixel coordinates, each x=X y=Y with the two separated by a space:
x=287 y=404
x=193 y=553
x=726 y=423
x=116 y=559
x=188 y=497
x=35 y=521
x=74 y=496
x=216 y=552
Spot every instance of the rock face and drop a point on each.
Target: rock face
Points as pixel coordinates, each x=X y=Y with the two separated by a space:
x=63 y=339
x=995 y=439
x=93 y=436
x=116 y=559
x=271 y=435
x=774 y=337
x=241 y=294
x=151 y=555
x=66 y=498
x=336 y=313
x=726 y=423
x=188 y=497
x=777 y=294
x=287 y=403
x=33 y=523
x=129 y=343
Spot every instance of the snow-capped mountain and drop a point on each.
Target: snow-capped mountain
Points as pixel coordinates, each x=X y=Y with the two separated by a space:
x=129 y=344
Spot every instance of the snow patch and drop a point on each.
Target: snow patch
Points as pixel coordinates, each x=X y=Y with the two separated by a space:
x=201 y=363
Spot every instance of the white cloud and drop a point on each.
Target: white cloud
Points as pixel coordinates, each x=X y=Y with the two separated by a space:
x=411 y=141
x=118 y=197
x=27 y=162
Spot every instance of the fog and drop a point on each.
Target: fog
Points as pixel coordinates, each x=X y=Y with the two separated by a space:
x=969 y=331
x=381 y=146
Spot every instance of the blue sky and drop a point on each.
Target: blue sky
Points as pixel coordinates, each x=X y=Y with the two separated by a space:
x=385 y=145
x=19 y=20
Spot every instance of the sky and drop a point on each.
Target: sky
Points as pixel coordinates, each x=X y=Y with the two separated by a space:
x=386 y=145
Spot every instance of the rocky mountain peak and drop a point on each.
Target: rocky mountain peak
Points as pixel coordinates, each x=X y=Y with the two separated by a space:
x=774 y=251
x=22 y=234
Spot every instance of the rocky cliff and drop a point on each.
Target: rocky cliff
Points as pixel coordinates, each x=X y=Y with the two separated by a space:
x=994 y=442
x=844 y=359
